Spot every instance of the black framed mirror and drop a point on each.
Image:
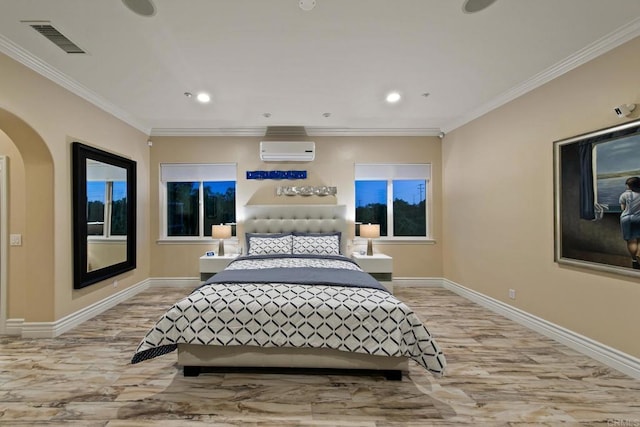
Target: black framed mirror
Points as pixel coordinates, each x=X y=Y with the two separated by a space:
x=104 y=215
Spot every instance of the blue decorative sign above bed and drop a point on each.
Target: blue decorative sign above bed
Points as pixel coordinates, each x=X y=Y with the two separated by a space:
x=276 y=174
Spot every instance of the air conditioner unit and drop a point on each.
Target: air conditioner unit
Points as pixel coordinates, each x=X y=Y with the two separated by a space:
x=287 y=151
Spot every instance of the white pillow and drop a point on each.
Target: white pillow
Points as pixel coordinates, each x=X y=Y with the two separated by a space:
x=316 y=243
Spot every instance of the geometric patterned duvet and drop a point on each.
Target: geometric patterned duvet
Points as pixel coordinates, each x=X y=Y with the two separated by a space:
x=351 y=319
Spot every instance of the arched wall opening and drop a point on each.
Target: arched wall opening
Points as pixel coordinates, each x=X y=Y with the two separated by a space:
x=32 y=297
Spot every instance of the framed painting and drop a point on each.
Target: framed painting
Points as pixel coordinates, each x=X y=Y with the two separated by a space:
x=597 y=199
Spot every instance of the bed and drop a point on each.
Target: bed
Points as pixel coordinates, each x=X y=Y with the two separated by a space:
x=294 y=300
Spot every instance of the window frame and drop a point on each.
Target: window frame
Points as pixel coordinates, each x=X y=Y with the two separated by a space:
x=196 y=173
x=395 y=171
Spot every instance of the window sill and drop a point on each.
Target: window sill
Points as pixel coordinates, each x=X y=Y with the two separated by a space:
x=396 y=241
x=194 y=241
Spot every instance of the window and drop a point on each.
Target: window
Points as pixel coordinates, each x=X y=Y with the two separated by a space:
x=394 y=196
x=197 y=196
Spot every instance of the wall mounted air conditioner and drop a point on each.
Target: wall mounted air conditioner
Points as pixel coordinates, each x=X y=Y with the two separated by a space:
x=287 y=151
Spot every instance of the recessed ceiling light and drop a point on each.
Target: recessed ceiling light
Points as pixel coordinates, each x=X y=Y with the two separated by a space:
x=188 y=94
x=326 y=114
x=393 y=97
x=267 y=115
x=141 y=7
x=203 y=97
x=307 y=4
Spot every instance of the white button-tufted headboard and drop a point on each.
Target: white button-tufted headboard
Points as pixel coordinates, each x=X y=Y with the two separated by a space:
x=301 y=218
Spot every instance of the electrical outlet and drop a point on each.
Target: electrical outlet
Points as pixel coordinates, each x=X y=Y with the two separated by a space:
x=512 y=293
x=115 y=283
x=15 y=239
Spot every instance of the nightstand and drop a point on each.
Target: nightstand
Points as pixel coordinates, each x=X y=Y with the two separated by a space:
x=210 y=265
x=380 y=266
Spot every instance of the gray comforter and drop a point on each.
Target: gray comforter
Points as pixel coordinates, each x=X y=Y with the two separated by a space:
x=274 y=302
x=300 y=275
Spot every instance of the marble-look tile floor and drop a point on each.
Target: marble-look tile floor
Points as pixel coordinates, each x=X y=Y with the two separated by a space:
x=499 y=374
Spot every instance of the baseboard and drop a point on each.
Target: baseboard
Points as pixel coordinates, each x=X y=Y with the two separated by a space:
x=427 y=282
x=53 y=329
x=13 y=326
x=175 y=282
x=611 y=357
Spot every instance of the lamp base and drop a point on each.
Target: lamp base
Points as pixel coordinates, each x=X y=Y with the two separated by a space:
x=369 y=247
x=221 y=248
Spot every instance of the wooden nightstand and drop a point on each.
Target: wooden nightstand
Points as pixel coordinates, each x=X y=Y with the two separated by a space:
x=210 y=265
x=380 y=266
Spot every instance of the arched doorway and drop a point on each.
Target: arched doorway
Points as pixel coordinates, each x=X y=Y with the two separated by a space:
x=37 y=249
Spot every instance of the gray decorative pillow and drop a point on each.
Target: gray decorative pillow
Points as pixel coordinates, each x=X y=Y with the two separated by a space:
x=266 y=244
x=316 y=243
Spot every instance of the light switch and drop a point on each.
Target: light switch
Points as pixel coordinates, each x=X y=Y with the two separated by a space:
x=15 y=239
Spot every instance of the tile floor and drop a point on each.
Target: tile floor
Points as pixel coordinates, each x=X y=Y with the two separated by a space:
x=499 y=374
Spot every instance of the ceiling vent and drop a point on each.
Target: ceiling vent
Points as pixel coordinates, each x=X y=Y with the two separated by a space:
x=285 y=132
x=50 y=32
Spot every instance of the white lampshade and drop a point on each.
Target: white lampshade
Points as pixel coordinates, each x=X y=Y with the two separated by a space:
x=370 y=231
x=221 y=232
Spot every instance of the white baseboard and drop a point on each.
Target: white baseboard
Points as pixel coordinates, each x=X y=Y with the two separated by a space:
x=13 y=326
x=175 y=282
x=611 y=357
x=53 y=329
x=428 y=282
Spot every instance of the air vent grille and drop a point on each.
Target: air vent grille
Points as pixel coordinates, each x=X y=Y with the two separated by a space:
x=50 y=32
x=279 y=132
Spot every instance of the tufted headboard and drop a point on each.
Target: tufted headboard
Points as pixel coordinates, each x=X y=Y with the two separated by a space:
x=302 y=218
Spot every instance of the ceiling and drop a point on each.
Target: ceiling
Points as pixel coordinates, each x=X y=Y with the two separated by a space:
x=327 y=69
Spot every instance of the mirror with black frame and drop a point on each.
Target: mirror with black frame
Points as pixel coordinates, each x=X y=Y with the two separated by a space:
x=104 y=215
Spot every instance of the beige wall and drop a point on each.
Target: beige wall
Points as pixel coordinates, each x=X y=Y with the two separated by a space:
x=16 y=223
x=333 y=166
x=39 y=120
x=498 y=202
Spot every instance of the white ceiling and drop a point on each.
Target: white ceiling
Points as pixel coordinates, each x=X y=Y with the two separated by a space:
x=342 y=57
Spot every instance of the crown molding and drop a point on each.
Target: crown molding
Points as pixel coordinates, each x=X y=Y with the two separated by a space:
x=592 y=51
x=27 y=59
x=248 y=131
x=311 y=131
x=326 y=131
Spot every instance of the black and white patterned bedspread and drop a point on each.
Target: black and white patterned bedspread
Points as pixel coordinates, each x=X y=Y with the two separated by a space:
x=360 y=320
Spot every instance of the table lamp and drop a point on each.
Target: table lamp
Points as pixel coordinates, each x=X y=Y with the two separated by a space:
x=221 y=232
x=370 y=231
